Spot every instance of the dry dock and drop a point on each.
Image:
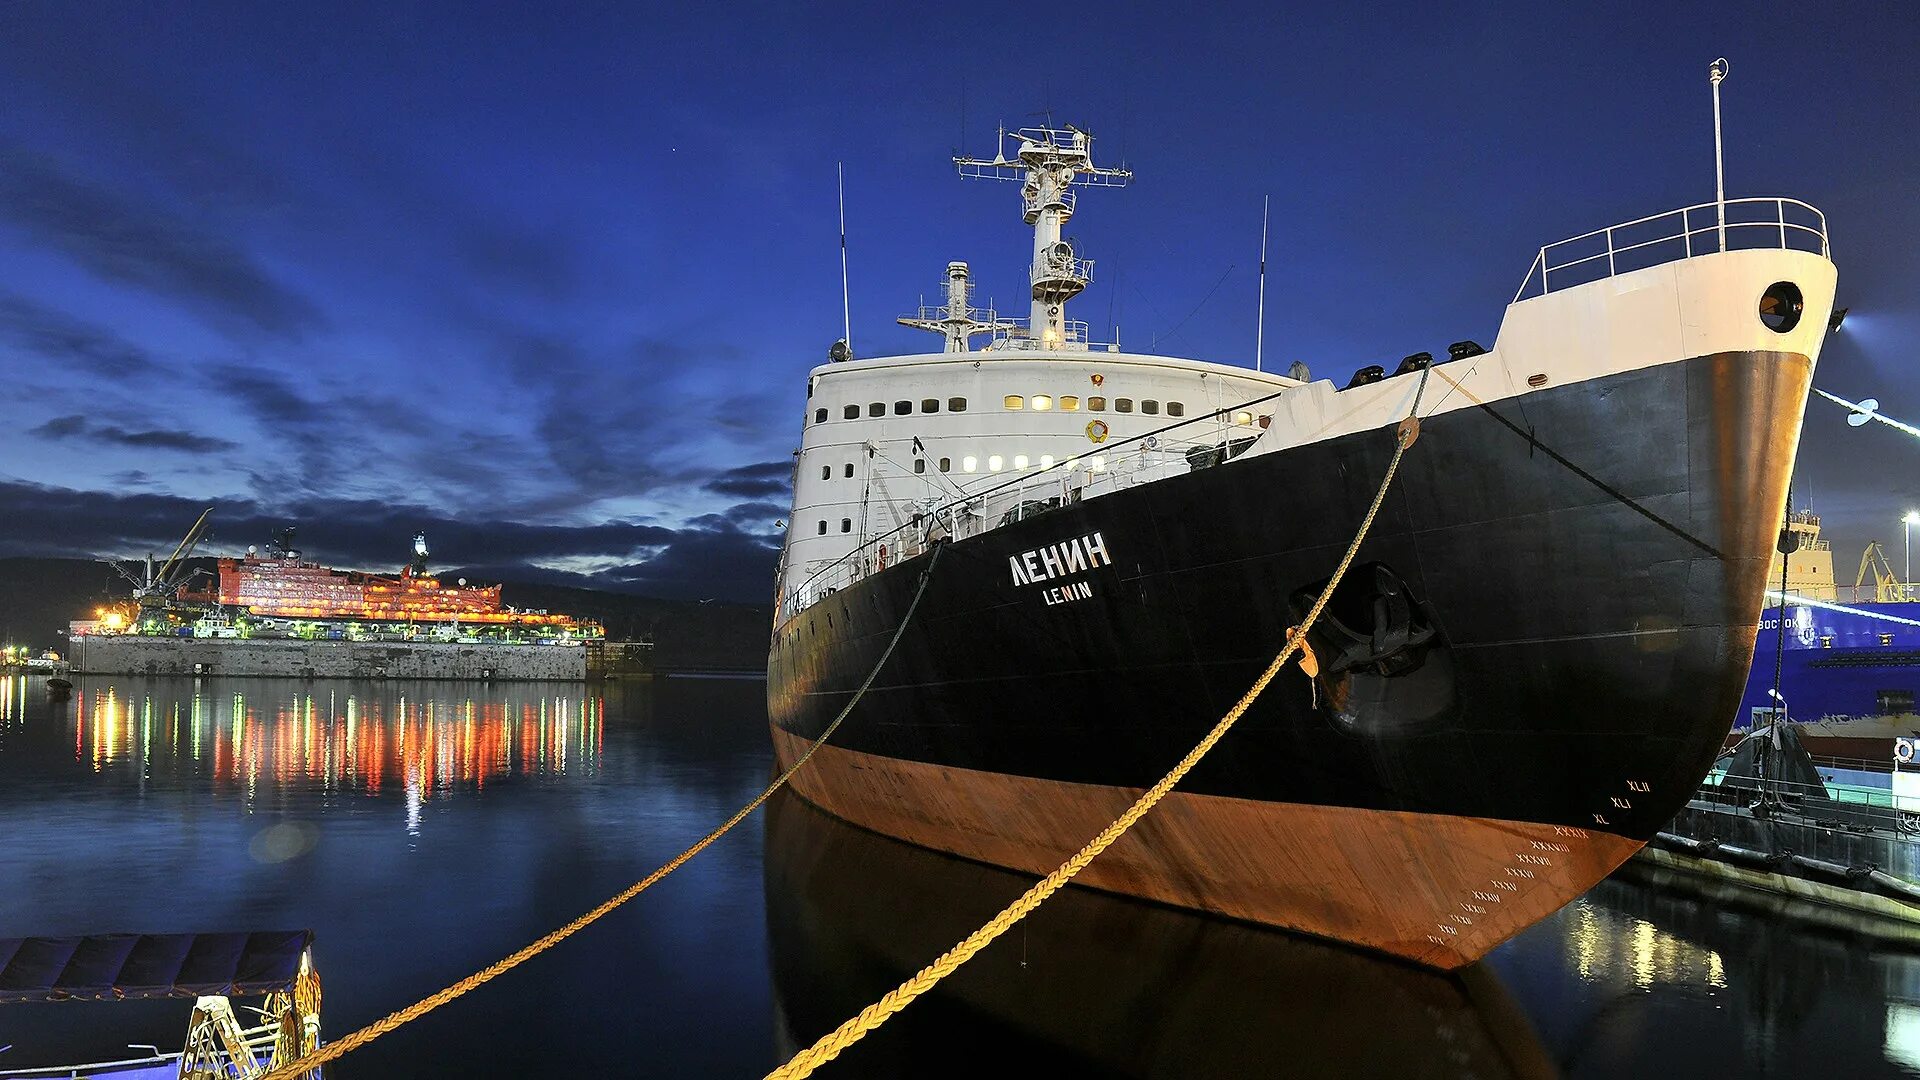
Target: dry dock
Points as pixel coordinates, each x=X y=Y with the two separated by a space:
x=133 y=654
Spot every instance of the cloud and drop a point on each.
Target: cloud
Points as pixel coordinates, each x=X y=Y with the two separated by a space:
x=758 y=481
x=140 y=244
x=79 y=427
x=58 y=337
x=711 y=558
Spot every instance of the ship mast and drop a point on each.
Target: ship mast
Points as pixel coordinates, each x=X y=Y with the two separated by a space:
x=1048 y=162
x=957 y=319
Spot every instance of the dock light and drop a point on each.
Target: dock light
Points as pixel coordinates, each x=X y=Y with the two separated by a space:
x=1906 y=582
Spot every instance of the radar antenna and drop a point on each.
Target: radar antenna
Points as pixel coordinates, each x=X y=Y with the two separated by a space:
x=1048 y=162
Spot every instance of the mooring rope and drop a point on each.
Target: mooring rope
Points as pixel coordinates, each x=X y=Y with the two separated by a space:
x=334 y=1050
x=833 y=1043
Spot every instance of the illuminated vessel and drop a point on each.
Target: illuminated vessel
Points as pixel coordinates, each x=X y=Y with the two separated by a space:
x=1539 y=650
x=282 y=584
x=1849 y=667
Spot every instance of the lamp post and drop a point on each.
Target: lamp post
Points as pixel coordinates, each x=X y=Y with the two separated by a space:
x=1717 y=71
x=1906 y=589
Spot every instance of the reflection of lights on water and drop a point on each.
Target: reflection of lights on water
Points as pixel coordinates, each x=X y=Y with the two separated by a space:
x=1902 y=1044
x=1606 y=948
x=348 y=743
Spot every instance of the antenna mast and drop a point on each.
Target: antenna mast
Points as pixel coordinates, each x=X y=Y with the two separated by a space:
x=846 y=307
x=1048 y=162
x=1260 y=319
x=957 y=319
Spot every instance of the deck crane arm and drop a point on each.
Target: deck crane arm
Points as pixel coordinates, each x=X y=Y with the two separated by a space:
x=184 y=549
x=1874 y=561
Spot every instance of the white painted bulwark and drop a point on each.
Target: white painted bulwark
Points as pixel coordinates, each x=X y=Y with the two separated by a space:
x=135 y=654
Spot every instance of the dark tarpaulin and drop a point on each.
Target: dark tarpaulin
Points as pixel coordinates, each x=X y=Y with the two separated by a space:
x=113 y=967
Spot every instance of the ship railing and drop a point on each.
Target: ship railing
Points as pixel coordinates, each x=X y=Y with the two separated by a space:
x=1038 y=490
x=1691 y=231
x=1014 y=334
x=1847 y=806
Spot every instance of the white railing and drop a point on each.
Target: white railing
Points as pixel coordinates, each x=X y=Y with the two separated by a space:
x=1675 y=235
x=1035 y=492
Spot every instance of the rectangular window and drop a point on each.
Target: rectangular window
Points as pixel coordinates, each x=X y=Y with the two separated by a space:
x=902 y=408
x=994 y=462
x=1150 y=407
x=823 y=528
x=1175 y=408
x=1046 y=461
x=1020 y=461
x=1123 y=404
x=1244 y=419
x=1096 y=404
x=946 y=464
x=819 y=416
x=956 y=404
x=1041 y=403
x=969 y=464
x=931 y=404
x=878 y=408
x=849 y=470
x=826 y=472
x=1014 y=401
x=919 y=465
x=1069 y=404
x=852 y=412
x=846 y=525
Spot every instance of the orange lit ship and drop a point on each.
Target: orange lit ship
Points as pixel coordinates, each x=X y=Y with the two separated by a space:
x=280 y=584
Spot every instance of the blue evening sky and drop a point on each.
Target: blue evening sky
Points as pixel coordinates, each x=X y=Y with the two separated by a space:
x=545 y=280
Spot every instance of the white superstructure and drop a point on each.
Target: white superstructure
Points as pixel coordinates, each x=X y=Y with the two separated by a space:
x=900 y=451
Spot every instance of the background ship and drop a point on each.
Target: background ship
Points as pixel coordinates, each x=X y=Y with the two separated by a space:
x=1849 y=664
x=1534 y=661
x=280 y=615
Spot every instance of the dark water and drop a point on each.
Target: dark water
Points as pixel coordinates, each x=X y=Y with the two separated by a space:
x=424 y=830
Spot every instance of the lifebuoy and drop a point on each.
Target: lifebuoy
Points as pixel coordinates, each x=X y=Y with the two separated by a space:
x=1097 y=431
x=1903 y=750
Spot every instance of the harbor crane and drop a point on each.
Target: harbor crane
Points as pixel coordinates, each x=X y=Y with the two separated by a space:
x=1887 y=588
x=151 y=588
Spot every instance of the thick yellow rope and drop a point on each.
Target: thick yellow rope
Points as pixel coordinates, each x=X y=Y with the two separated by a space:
x=830 y=1045
x=331 y=1051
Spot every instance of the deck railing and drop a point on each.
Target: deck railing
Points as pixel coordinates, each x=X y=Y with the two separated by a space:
x=1850 y=807
x=1773 y=223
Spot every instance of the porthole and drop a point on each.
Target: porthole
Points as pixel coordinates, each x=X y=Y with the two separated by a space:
x=931 y=404
x=956 y=404
x=851 y=412
x=1175 y=408
x=878 y=408
x=1124 y=404
x=1150 y=407
x=1781 y=305
x=1014 y=402
x=1041 y=403
x=1096 y=404
x=902 y=408
x=1069 y=403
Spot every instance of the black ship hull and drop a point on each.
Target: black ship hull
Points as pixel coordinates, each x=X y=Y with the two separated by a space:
x=1535 y=659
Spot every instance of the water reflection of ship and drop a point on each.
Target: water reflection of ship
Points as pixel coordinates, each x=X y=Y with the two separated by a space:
x=850 y=913
x=432 y=739
x=1671 y=983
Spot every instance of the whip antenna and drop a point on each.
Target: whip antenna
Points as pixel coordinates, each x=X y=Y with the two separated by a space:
x=846 y=309
x=1260 y=320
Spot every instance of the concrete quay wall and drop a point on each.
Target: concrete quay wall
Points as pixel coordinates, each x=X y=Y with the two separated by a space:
x=295 y=658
